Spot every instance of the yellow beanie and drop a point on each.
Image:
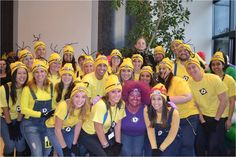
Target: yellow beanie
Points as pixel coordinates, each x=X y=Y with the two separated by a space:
x=37 y=44
x=127 y=64
x=218 y=56
x=39 y=64
x=193 y=61
x=24 y=53
x=54 y=57
x=79 y=87
x=159 y=89
x=16 y=65
x=101 y=59
x=88 y=59
x=159 y=49
x=68 y=49
x=67 y=69
x=116 y=52
x=168 y=63
x=186 y=47
x=147 y=69
x=112 y=83
x=137 y=56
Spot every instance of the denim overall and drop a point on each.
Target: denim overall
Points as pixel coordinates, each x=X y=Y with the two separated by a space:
x=162 y=133
x=35 y=128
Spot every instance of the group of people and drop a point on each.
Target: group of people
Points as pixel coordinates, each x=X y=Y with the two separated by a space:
x=143 y=105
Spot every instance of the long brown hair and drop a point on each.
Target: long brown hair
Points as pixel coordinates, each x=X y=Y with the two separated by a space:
x=32 y=84
x=152 y=114
x=59 y=89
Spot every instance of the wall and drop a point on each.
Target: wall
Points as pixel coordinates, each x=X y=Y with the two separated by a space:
x=59 y=22
x=199 y=29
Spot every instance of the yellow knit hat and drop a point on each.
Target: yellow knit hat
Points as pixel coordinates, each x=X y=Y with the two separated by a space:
x=159 y=89
x=101 y=59
x=24 y=53
x=186 y=47
x=37 y=44
x=127 y=64
x=147 y=69
x=88 y=59
x=218 y=56
x=68 y=49
x=79 y=87
x=168 y=63
x=193 y=61
x=39 y=64
x=17 y=65
x=137 y=56
x=67 y=69
x=116 y=52
x=54 y=57
x=159 y=49
x=112 y=83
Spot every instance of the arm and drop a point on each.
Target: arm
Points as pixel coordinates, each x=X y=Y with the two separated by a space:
x=223 y=102
x=150 y=131
x=100 y=133
x=58 y=133
x=231 y=111
x=202 y=120
x=173 y=131
x=6 y=115
x=118 y=131
x=181 y=99
x=77 y=132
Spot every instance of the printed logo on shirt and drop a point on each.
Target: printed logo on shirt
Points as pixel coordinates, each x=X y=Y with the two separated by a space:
x=159 y=133
x=44 y=110
x=18 y=108
x=185 y=78
x=135 y=119
x=203 y=91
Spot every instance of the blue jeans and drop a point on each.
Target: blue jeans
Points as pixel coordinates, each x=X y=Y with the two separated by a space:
x=34 y=131
x=132 y=145
x=68 y=137
x=188 y=128
x=9 y=144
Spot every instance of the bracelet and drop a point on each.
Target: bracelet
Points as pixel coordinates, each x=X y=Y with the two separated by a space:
x=105 y=145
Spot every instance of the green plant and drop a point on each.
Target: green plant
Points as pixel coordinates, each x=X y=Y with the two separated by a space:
x=159 y=21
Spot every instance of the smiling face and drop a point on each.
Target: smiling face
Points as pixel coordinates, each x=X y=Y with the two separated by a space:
x=158 y=57
x=21 y=76
x=115 y=61
x=193 y=70
x=183 y=54
x=68 y=57
x=217 y=67
x=88 y=68
x=137 y=64
x=157 y=102
x=78 y=99
x=134 y=99
x=164 y=71
x=114 y=96
x=41 y=52
x=126 y=74
x=39 y=75
x=140 y=44
x=100 y=70
x=146 y=77
x=174 y=46
x=66 y=79
x=28 y=61
x=55 y=66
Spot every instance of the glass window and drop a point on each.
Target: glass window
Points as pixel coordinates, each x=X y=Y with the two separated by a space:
x=222 y=44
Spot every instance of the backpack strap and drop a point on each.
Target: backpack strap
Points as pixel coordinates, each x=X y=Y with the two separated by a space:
x=175 y=69
x=6 y=87
x=32 y=93
x=105 y=116
x=51 y=89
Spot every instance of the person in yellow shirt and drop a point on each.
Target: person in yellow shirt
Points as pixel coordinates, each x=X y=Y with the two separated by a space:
x=210 y=95
x=146 y=75
x=10 y=105
x=54 y=67
x=174 y=47
x=162 y=123
x=36 y=106
x=26 y=57
x=159 y=54
x=64 y=87
x=126 y=71
x=116 y=60
x=180 y=94
x=137 y=61
x=68 y=56
x=88 y=65
x=96 y=80
x=101 y=132
x=64 y=127
x=40 y=49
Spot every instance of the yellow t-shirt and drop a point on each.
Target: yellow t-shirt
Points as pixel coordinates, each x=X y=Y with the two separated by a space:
x=27 y=101
x=55 y=93
x=3 y=102
x=180 y=87
x=97 y=115
x=62 y=113
x=54 y=79
x=30 y=76
x=181 y=71
x=136 y=76
x=231 y=85
x=95 y=87
x=172 y=133
x=206 y=93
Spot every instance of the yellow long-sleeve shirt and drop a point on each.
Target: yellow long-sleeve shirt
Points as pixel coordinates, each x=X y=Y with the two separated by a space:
x=171 y=135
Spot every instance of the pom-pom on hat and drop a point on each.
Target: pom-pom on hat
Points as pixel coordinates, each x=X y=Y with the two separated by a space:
x=159 y=89
x=112 y=83
x=140 y=86
x=39 y=64
x=67 y=69
x=16 y=65
x=79 y=87
x=116 y=52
